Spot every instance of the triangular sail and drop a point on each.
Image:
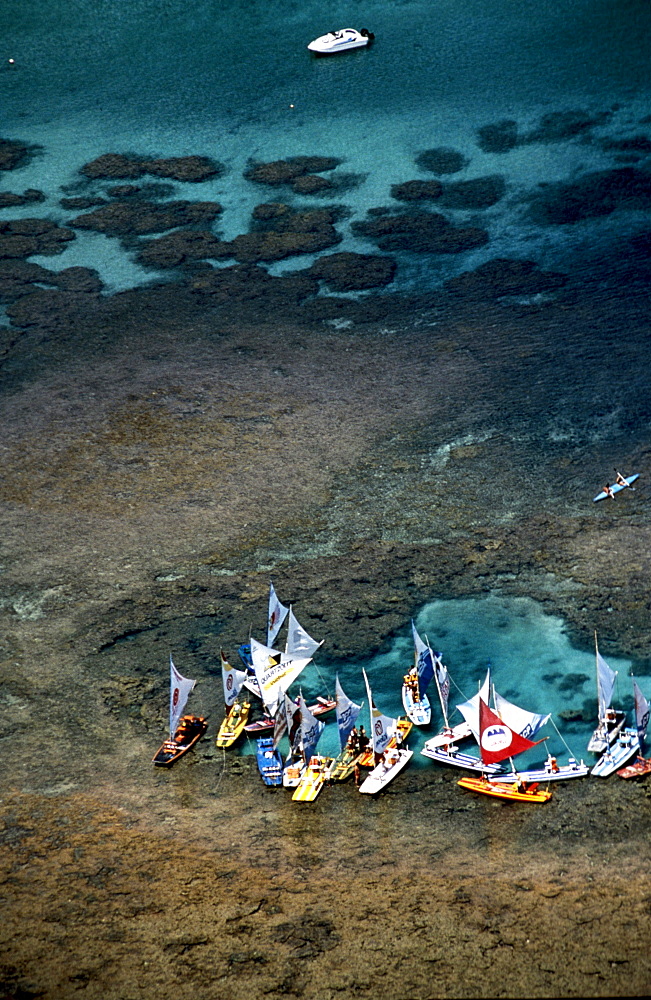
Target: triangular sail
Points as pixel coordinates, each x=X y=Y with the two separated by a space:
x=605 y=683
x=311 y=729
x=382 y=726
x=641 y=712
x=276 y=616
x=470 y=709
x=180 y=688
x=280 y=722
x=525 y=723
x=232 y=680
x=299 y=643
x=347 y=712
x=293 y=715
x=424 y=661
x=497 y=740
x=274 y=671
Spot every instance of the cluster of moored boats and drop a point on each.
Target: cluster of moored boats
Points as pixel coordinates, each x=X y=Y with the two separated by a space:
x=501 y=729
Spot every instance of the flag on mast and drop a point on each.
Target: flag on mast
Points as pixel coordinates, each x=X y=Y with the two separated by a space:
x=641 y=712
x=180 y=688
x=276 y=616
x=311 y=729
x=232 y=679
x=299 y=642
x=423 y=660
x=347 y=712
x=382 y=726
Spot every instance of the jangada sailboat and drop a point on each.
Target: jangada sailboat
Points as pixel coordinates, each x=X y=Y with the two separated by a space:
x=391 y=756
x=448 y=734
x=237 y=712
x=627 y=743
x=497 y=742
x=415 y=682
x=642 y=765
x=347 y=712
x=185 y=730
x=443 y=748
x=521 y=721
x=610 y=720
x=315 y=774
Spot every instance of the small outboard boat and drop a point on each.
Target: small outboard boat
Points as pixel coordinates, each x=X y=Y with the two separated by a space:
x=341 y=41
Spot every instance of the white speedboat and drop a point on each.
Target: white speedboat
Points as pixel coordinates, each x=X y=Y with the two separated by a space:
x=340 y=41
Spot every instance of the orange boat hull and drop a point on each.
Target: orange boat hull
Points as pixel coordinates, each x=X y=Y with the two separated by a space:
x=641 y=766
x=510 y=792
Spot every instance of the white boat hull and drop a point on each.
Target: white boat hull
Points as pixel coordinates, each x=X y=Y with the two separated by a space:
x=626 y=745
x=420 y=712
x=547 y=773
x=293 y=773
x=385 y=772
x=452 y=758
x=339 y=41
x=460 y=732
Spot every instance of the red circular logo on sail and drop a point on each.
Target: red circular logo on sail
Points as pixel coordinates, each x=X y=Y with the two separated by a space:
x=229 y=682
x=496 y=738
x=175 y=697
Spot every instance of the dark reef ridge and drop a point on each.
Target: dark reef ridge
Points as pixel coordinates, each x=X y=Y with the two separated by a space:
x=193 y=169
x=422 y=232
x=139 y=217
x=26 y=237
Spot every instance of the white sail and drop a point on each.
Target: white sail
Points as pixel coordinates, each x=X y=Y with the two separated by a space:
x=276 y=616
x=274 y=671
x=232 y=680
x=518 y=719
x=641 y=712
x=299 y=643
x=382 y=726
x=470 y=709
x=293 y=716
x=419 y=645
x=442 y=683
x=311 y=729
x=280 y=721
x=347 y=712
x=605 y=684
x=180 y=688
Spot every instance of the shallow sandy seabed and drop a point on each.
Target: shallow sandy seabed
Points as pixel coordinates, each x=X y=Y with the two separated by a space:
x=157 y=467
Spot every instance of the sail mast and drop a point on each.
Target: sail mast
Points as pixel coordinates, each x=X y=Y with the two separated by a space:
x=438 y=688
x=596 y=667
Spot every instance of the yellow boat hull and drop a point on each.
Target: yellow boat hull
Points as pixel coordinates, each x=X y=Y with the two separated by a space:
x=343 y=765
x=312 y=781
x=233 y=725
x=512 y=792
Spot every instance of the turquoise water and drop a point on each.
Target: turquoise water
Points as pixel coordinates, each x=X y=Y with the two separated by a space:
x=233 y=80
